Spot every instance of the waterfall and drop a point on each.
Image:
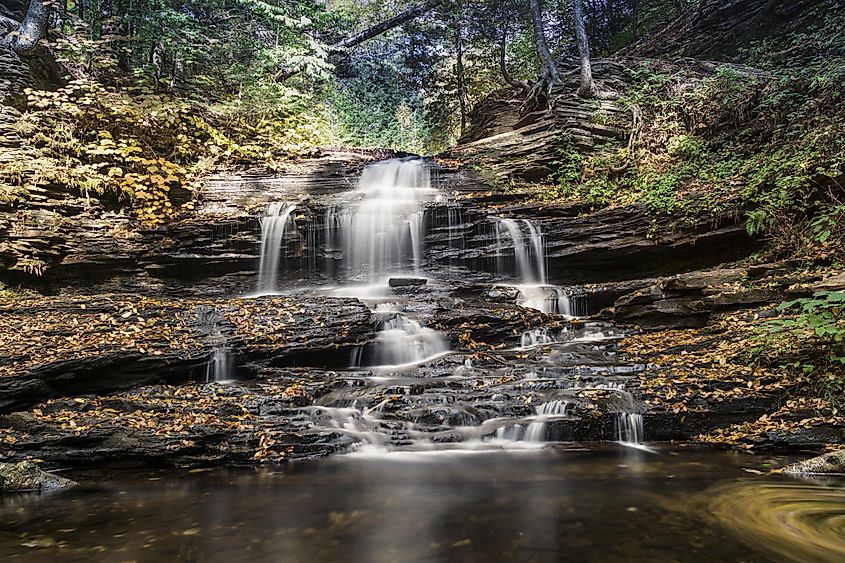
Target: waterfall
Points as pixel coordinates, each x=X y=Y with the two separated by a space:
x=552 y=408
x=273 y=226
x=403 y=341
x=529 y=248
x=381 y=227
x=629 y=428
x=219 y=366
x=531 y=338
x=534 y=430
x=553 y=299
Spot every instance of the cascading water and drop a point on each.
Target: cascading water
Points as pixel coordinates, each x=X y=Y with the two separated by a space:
x=629 y=428
x=533 y=430
x=219 y=367
x=528 y=244
x=273 y=227
x=381 y=228
x=529 y=248
x=376 y=233
x=403 y=341
x=536 y=337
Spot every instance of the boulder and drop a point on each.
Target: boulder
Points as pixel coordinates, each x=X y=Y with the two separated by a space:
x=832 y=463
x=26 y=476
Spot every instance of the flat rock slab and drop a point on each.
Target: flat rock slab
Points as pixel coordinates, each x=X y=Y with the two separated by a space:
x=405 y=282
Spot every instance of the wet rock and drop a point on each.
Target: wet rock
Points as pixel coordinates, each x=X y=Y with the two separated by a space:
x=26 y=476
x=832 y=463
x=406 y=282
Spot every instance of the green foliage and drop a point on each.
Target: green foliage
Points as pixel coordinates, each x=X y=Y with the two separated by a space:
x=369 y=110
x=822 y=314
x=828 y=222
x=809 y=339
x=138 y=145
x=756 y=221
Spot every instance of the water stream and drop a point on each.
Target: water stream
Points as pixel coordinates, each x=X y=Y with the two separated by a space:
x=527 y=242
x=380 y=227
x=273 y=227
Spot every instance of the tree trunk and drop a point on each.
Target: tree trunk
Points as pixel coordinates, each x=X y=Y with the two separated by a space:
x=503 y=66
x=157 y=62
x=33 y=28
x=387 y=25
x=459 y=73
x=549 y=65
x=369 y=33
x=587 y=89
x=635 y=16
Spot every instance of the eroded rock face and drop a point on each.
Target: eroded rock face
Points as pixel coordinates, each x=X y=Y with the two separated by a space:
x=26 y=476
x=688 y=300
x=716 y=29
x=514 y=138
x=55 y=346
x=832 y=463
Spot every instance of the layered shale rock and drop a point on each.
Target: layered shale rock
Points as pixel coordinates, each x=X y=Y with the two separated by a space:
x=78 y=345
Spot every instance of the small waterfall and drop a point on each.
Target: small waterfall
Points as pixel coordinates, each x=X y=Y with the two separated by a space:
x=552 y=408
x=535 y=337
x=570 y=304
x=273 y=226
x=629 y=428
x=219 y=366
x=553 y=299
x=402 y=341
x=358 y=424
x=536 y=432
x=528 y=247
x=382 y=227
x=533 y=430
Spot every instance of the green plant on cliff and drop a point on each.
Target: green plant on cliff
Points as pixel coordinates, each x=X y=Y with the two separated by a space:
x=807 y=339
x=137 y=145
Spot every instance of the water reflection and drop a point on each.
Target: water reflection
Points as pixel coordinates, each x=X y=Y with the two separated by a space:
x=535 y=505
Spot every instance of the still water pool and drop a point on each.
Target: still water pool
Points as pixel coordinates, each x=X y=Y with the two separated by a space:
x=606 y=503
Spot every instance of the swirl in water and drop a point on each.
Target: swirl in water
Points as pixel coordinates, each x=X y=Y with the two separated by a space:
x=800 y=522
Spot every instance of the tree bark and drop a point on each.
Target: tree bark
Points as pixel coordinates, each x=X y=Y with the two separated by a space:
x=459 y=73
x=550 y=71
x=587 y=89
x=33 y=28
x=157 y=62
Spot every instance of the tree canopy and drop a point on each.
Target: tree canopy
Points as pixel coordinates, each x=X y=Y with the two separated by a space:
x=396 y=73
